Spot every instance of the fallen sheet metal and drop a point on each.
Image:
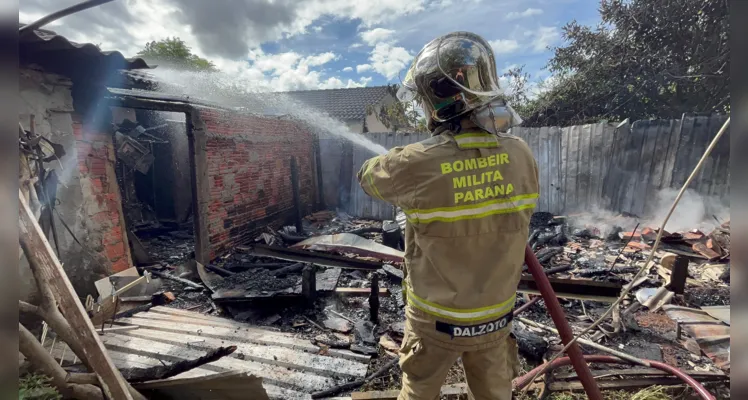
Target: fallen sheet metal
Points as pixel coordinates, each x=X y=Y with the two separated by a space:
x=290 y=367
x=722 y=313
x=711 y=334
x=350 y=243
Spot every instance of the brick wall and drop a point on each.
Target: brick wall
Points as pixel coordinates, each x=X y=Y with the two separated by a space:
x=249 y=175
x=102 y=207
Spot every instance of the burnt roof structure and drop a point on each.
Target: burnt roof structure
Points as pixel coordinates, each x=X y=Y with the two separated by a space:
x=56 y=54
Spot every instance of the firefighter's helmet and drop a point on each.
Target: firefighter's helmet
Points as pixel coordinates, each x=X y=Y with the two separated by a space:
x=453 y=75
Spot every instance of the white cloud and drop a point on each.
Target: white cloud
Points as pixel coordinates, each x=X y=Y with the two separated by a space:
x=356 y=45
x=376 y=35
x=524 y=14
x=347 y=69
x=227 y=29
x=321 y=59
x=276 y=64
x=388 y=60
x=363 y=68
x=335 y=83
x=235 y=51
x=504 y=46
x=544 y=37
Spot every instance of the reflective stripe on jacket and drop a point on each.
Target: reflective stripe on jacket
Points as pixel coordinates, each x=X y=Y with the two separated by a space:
x=468 y=199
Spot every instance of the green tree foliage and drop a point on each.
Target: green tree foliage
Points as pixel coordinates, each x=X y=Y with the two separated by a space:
x=646 y=59
x=399 y=116
x=37 y=387
x=173 y=52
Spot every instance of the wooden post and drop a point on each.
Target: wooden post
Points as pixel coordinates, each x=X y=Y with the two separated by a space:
x=374 y=299
x=47 y=267
x=309 y=282
x=296 y=195
x=678 y=277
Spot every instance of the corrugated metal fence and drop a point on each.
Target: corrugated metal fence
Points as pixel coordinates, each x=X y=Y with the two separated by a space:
x=364 y=206
x=619 y=167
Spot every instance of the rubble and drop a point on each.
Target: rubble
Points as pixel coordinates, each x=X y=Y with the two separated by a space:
x=357 y=305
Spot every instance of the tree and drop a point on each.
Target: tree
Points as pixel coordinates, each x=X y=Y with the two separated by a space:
x=173 y=52
x=399 y=116
x=646 y=59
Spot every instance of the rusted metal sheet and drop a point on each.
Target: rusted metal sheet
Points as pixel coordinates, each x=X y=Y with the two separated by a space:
x=712 y=335
x=350 y=243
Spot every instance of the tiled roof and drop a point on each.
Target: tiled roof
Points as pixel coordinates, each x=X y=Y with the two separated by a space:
x=344 y=104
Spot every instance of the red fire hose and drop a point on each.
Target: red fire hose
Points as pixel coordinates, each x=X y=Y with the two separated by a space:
x=564 y=330
x=576 y=358
x=526 y=379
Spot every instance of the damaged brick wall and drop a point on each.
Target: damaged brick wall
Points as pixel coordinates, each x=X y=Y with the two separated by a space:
x=249 y=175
x=102 y=206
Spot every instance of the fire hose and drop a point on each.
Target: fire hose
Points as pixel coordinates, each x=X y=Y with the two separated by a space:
x=576 y=358
x=527 y=378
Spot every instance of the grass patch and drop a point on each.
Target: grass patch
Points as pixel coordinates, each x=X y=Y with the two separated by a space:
x=37 y=387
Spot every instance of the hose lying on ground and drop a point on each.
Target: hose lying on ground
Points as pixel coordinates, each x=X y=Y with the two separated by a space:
x=525 y=380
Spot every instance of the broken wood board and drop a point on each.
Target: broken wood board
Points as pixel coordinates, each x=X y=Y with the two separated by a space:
x=360 y=292
x=350 y=243
x=326 y=281
x=50 y=276
x=104 y=285
x=280 y=359
x=220 y=386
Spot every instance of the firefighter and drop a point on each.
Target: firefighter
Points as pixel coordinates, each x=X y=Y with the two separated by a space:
x=468 y=193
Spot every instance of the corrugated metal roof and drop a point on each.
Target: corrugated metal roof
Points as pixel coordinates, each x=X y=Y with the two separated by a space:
x=344 y=104
x=57 y=54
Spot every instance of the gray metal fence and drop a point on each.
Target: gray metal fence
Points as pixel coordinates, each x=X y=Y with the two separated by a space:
x=649 y=156
x=618 y=167
x=359 y=203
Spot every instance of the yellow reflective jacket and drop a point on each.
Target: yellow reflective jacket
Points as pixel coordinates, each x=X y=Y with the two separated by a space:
x=468 y=199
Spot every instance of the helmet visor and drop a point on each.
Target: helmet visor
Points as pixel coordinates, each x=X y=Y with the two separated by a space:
x=468 y=62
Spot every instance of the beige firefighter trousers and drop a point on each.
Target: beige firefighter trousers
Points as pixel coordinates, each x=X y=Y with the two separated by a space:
x=425 y=364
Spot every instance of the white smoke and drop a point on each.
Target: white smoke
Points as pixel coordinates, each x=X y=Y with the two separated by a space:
x=693 y=211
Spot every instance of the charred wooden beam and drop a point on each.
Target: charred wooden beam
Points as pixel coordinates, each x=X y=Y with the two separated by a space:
x=374 y=299
x=327 y=260
x=167 y=371
x=574 y=288
x=360 y=292
x=289 y=269
x=309 y=282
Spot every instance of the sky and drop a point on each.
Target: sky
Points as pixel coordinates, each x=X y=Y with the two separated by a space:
x=322 y=44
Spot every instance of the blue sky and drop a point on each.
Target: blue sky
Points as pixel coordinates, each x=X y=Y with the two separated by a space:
x=310 y=44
